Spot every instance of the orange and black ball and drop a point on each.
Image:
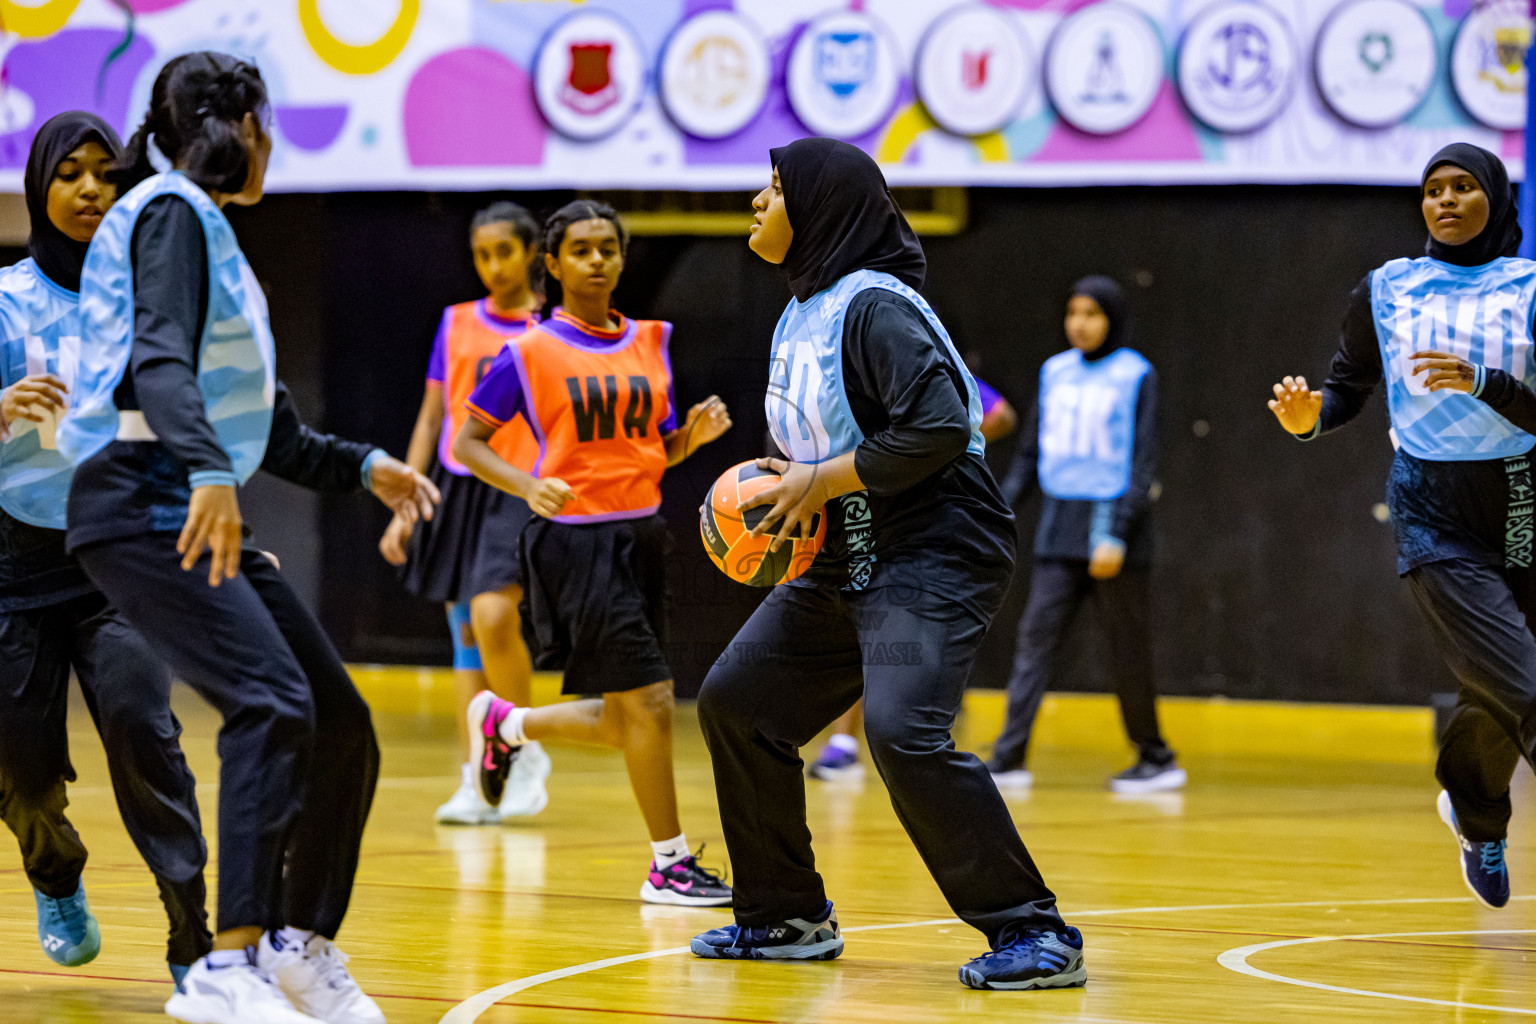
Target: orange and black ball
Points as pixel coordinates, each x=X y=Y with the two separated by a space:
x=729 y=542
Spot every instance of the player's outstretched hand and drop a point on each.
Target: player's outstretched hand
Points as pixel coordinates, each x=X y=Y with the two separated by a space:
x=796 y=499
x=1296 y=406
x=548 y=496
x=32 y=397
x=213 y=522
x=706 y=421
x=408 y=494
x=396 y=535
x=1444 y=371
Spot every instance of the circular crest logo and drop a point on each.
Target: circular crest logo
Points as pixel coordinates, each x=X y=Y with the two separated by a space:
x=1488 y=64
x=1104 y=67
x=843 y=75
x=974 y=70
x=1237 y=66
x=714 y=74
x=1375 y=61
x=589 y=75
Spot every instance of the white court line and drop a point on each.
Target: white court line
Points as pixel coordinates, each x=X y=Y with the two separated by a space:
x=1237 y=960
x=470 y=1009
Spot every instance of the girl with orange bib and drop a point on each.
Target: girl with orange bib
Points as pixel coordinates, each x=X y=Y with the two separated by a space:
x=466 y=556
x=596 y=389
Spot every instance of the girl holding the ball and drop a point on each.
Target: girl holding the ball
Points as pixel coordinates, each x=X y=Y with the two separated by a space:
x=881 y=422
x=596 y=387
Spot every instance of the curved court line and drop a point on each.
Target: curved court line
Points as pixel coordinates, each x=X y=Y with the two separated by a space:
x=470 y=1009
x=1237 y=960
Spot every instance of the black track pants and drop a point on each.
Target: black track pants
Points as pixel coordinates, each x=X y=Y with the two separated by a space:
x=299 y=758
x=127 y=691
x=803 y=659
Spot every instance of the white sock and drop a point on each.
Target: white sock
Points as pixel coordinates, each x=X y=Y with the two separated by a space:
x=512 y=727
x=670 y=851
x=842 y=741
x=296 y=936
x=228 y=958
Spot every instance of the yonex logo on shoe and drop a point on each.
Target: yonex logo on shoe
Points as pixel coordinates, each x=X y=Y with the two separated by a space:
x=53 y=943
x=776 y=933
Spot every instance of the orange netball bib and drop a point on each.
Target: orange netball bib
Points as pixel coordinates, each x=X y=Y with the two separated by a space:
x=471 y=337
x=599 y=402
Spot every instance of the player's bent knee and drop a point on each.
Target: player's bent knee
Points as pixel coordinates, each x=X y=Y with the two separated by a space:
x=649 y=703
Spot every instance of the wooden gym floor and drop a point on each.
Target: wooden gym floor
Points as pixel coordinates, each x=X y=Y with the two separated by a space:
x=1303 y=876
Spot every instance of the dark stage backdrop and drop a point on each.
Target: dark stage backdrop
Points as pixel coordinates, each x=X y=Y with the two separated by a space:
x=1275 y=576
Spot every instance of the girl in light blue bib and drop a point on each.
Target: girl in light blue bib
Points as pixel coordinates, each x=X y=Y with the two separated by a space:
x=1449 y=335
x=51 y=614
x=175 y=405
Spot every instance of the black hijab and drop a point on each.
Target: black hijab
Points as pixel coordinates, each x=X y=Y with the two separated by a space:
x=1111 y=299
x=843 y=216
x=1502 y=235
x=57 y=255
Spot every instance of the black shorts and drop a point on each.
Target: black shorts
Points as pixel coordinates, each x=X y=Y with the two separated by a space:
x=594 y=602
x=470 y=546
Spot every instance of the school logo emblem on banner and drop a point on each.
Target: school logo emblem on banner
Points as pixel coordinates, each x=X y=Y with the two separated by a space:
x=589 y=75
x=1375 y=61
x=1488 y=64
x=590 y=88
x=714 y=74
x=974 y=70
x=843 y=75
x=1237 y=66
x=845 y=60
x=1104 y=67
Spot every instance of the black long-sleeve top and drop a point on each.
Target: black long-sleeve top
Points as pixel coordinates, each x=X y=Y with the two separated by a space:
x=1440 y=510
x=1068 y=529
x=134 y=487
x=935 y=520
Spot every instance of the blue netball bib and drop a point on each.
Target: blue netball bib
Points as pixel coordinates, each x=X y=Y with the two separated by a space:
x=39 y=333
x=1482 y=314
x=807 y=404
x=235 y=367
x=1088 y=423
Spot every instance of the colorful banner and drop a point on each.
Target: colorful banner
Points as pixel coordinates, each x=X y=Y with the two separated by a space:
x=690 y=94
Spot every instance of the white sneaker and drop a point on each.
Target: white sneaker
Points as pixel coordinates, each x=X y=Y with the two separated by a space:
x=525 y=795
x=238 y=994
x=1018 y=778
x=466 y=806
x=315 y=977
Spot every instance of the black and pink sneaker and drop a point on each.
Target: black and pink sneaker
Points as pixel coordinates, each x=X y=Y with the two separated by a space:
x=491 y=755
x=686 y=884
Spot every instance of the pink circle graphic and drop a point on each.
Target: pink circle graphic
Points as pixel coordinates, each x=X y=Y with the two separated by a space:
x=472 y=107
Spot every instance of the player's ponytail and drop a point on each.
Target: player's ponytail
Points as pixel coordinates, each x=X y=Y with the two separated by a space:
x=195 y=110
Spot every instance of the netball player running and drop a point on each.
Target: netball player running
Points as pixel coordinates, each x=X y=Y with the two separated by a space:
x=1089 y=444
x=1450 y=333
x=919 y=552
x=839 y=759
x=51 y=617
x=466 y=556
x=596 y=387
x=176 y=404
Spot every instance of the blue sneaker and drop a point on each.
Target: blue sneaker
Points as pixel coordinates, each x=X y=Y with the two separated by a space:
x=795 y=939
x=67 y=929
x=836 y=763
x=1030 y=960
x=1482 y=864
